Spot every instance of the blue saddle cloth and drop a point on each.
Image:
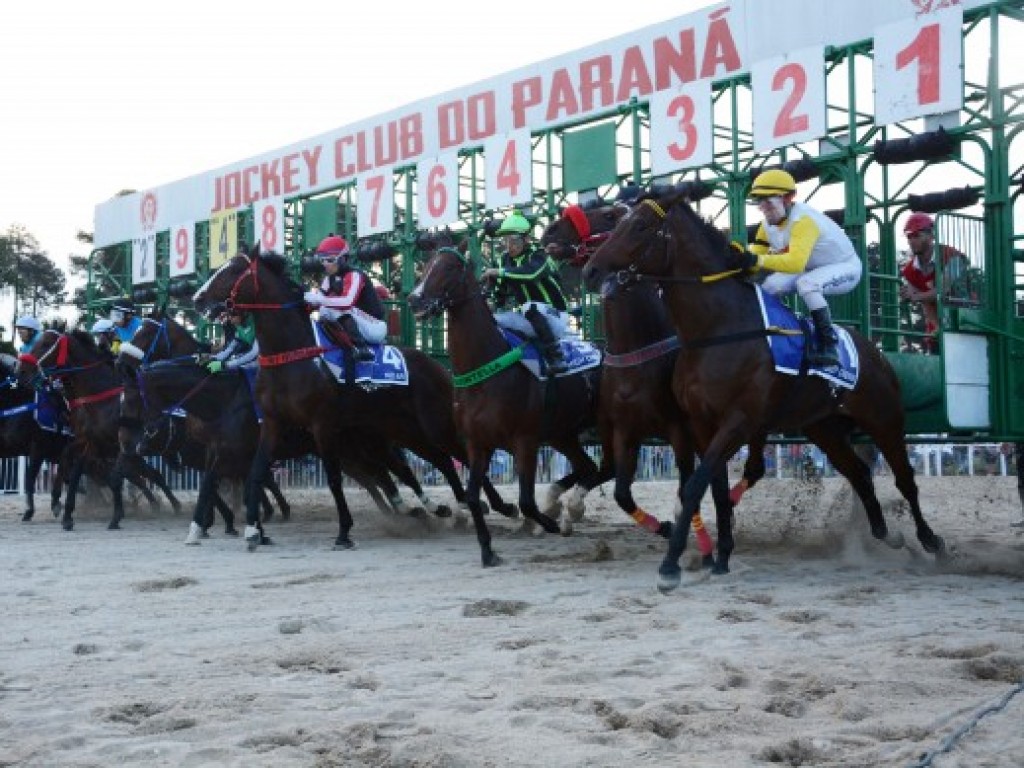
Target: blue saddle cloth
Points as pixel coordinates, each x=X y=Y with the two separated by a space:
x=49 y=416
x=388 y=366
x=788 y=350
x=579 y=355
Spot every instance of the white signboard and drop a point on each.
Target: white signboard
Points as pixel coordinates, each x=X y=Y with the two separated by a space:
x=919 y=67
x=437 y=191
x=144 y=259
x=375 y=197
x=789 y=99
x=268 y=224
x=681 y=128
x=183 y=249
x=509 y=169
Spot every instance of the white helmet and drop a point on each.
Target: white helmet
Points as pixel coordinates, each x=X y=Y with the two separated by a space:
x=103 y=325
x=27 y=321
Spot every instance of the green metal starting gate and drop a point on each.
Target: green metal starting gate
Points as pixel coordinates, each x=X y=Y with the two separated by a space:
x=866 y=176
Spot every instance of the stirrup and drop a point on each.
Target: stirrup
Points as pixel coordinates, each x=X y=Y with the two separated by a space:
x=823 y=357
x=363 y=354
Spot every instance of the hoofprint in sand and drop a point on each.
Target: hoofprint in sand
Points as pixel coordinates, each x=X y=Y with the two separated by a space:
x=821 y=648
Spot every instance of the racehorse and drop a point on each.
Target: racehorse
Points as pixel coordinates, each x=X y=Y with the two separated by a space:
x=727 y=380
x=92 y=388
x=501 y=404
x=636 y=399
x=295 y=387
x=22 y=435
x=225 y=419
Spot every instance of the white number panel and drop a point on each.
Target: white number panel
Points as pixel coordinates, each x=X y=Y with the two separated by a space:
x=681 y=128
x=918 y=67
x=375 y=193
x=508 y=169
x=183 y=249
x=437 y=193
x=268 y=219
x=789 y=99
x=144 y=259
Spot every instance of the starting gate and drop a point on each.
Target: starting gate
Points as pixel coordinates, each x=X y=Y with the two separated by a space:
x=912 y=115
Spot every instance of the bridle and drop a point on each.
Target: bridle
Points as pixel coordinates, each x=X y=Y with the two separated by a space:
x=589 y=241
x=454 y=294
x=252 y=271
x=144 y=355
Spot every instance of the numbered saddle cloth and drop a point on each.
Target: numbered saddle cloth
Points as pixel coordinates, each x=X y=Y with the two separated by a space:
x=579 y=355
x=49 y=416
x=388 y=366
x=788 y=350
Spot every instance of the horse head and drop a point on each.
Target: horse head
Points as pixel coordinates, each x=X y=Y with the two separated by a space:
x=448 y=280
x=579 y=230
x=660 y=235
x=251 y=280
x=157 y=338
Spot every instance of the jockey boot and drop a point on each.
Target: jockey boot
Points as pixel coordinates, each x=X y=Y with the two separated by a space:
x=548 y=343
x=360 y=349
x=825 y=351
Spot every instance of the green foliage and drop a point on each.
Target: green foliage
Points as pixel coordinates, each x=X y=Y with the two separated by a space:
x=36 y=281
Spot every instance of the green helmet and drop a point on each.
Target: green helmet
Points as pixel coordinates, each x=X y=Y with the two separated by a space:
x=516 y=224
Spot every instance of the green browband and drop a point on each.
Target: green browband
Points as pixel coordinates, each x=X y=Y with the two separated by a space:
x=487 y=370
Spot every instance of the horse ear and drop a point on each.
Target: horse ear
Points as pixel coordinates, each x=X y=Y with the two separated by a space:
x=254 y=251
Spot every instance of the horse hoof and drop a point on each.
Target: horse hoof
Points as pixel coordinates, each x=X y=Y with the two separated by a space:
x=68 y=526
x=719 y=568
x=176 y=508
x=253 y=538
x=344 y=542
x=57 y=509
x=113 y=527
x=266 y=541
x=442 y=511
x=417 y=513
x=490 y=559
x=566 y=530
x=668 y=579
x=29 y=514
x=511 y=511
x=286 y=512
x=549 y=525
x=935 y=546
x=230 y=531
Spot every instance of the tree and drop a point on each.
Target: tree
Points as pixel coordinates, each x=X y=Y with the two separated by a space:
x=26 y=269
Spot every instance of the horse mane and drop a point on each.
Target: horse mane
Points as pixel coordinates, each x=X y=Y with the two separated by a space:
x=277 y=264
x=84 y=338
x=715 y=237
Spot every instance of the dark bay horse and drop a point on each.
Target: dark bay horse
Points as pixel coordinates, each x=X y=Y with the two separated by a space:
x=367 y=458
x=295 y=388
x=727 y=380
x=636 y=400
x=92 y=388
x=22 y=435
x=503 y=405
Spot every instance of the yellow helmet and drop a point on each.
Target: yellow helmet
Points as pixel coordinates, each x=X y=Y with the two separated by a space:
x=772 y=183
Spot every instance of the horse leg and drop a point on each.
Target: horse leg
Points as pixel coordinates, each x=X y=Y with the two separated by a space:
x=56 y=488
x=894 y=449
x=227 y=511
x=282 y=503
x=332 y=468
x=723 y=519
x=753 y=469
x=686 y=457
x=497 y=503
x=397 y=464
x=624 y=453
x=525 y=457
x=32 y=467
x=115 y=481
x=831 y=435
x=479 y=462
x=202 y=516
x=583 y=467
x=258 y=471
x=74 y=480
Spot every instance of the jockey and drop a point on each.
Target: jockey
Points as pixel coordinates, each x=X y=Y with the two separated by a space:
x=105 y=334
x=532 y=279
x=126 y=323
x=240 y=348
x=28 y=330
x=807 y=252
x=348 y=299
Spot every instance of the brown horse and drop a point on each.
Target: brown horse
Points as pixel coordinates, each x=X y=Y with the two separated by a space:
x=636 y=400
x=727 y=380
x=294 y=387
x=92 y=388
x=499 y=403
x=232 y=433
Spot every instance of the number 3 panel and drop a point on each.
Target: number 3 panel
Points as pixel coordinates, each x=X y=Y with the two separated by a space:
x=681 y=128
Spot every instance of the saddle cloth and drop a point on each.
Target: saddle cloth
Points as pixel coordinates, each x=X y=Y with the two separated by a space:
x=579 y=355
x=49 y=416
x=387 y=368
x=788 y=350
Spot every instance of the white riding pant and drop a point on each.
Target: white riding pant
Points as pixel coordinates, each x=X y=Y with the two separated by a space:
x=815 y=284
x=373 y=330
x=515 y=320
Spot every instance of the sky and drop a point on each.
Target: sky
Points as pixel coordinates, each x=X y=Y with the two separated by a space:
x=110 y=95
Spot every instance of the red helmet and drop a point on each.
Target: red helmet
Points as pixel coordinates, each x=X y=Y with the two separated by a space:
x=918 y=222
x=332 y=246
